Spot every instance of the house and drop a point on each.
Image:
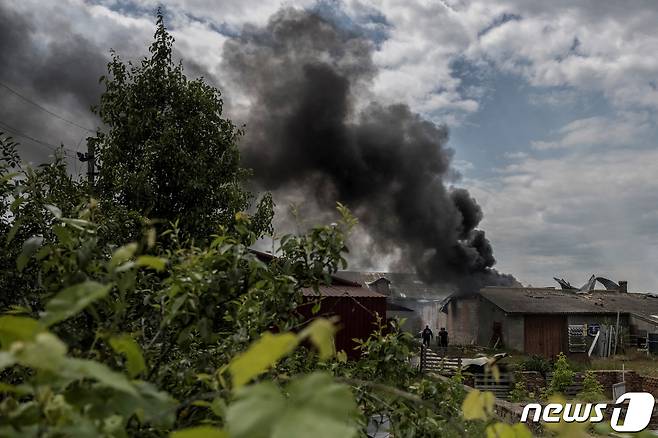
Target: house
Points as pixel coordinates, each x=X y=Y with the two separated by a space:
x=419 y=303
x=546 y=321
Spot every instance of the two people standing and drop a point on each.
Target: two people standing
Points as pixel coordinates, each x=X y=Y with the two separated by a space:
x=427 y=336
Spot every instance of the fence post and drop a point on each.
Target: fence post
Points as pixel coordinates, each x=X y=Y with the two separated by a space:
x=423 y=355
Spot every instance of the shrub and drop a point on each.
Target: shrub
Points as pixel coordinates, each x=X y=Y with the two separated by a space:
x=520 y=392
x=562 y=376
x=592 y=389
x=536 y=363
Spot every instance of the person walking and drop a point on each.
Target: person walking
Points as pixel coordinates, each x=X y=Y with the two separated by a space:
x=443 y=340
x=427 y=336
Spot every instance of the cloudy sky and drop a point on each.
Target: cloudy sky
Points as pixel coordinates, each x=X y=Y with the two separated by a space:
x=551 y=106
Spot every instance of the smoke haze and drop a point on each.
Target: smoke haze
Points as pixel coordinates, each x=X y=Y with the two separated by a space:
x=310 y=136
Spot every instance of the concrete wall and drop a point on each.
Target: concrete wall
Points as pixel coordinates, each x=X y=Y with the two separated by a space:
x=513 y=332
x=471 y=320
x=425 y=312
x=462 y=320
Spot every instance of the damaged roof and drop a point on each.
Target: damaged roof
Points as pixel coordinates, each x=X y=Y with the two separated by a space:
x=342 y=291
x=548 y=300
x=402 y=285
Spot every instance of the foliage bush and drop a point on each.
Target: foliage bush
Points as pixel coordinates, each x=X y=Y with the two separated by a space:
x=563 y=377
x=520 y=393
x=592 y=390
x=536 y=363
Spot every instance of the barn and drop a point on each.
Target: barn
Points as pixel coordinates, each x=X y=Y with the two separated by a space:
x=547 y=321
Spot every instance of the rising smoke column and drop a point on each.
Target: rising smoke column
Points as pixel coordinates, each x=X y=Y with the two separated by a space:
x=302 y=74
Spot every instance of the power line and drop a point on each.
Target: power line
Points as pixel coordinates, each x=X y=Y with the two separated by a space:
x=71 y=122
x=15 y=131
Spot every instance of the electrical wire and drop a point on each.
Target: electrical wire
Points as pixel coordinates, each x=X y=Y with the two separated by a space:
x=18 y=133
x=71 y=122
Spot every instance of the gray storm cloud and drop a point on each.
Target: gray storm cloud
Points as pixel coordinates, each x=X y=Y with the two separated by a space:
x=305 y=133
x=60 y=71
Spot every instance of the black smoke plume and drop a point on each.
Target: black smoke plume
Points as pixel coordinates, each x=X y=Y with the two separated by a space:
x=305 y=129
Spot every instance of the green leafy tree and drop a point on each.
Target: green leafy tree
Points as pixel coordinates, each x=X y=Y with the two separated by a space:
x=167 y=152
x=26 y=193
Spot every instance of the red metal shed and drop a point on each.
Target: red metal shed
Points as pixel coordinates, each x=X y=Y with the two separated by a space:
x=356 y=308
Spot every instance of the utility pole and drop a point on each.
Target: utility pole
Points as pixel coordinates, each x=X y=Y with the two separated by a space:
x=89 y=157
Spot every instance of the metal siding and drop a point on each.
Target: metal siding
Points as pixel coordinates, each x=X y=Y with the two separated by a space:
x=357 y=318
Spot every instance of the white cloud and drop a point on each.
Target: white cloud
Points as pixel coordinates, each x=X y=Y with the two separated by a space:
x=626 y=129
x=577 y=215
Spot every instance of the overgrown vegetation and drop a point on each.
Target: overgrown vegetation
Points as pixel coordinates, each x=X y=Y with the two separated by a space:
x=592 y=389
x=536 y=363
x=520 y=393
x=563 y=377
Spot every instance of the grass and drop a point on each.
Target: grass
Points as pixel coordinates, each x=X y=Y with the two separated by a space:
x=641 y=364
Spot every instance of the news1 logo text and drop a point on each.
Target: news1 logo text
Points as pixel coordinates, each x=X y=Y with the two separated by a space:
x=637 y=418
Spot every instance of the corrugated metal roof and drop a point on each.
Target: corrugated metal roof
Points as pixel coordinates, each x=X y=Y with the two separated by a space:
x=545 y=300
x=403 y=285
x=342 y=291
x=397 y=308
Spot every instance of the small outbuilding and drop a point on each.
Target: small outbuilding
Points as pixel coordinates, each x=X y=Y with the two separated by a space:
x=547 y=321
x=357 y=309
x=409 y=297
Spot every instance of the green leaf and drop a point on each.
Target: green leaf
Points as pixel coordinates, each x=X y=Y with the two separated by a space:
x=14 y=229
x=72 y=300
x=504 y=430
x=123 y=254
x=17 y=328
x=199 y=432
x=255 y=411
x=55 y=211
x=30 y=246
x=321 y=332
x=478 y=405
x=7 y=177
x=127 y=346
x=46 y=352
x=13 y=389
x=260 y=356
x=79 y=224
x=6 y=360
x=317 y=407
x=157 y=407
x=155 y=263
x=76 y=368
